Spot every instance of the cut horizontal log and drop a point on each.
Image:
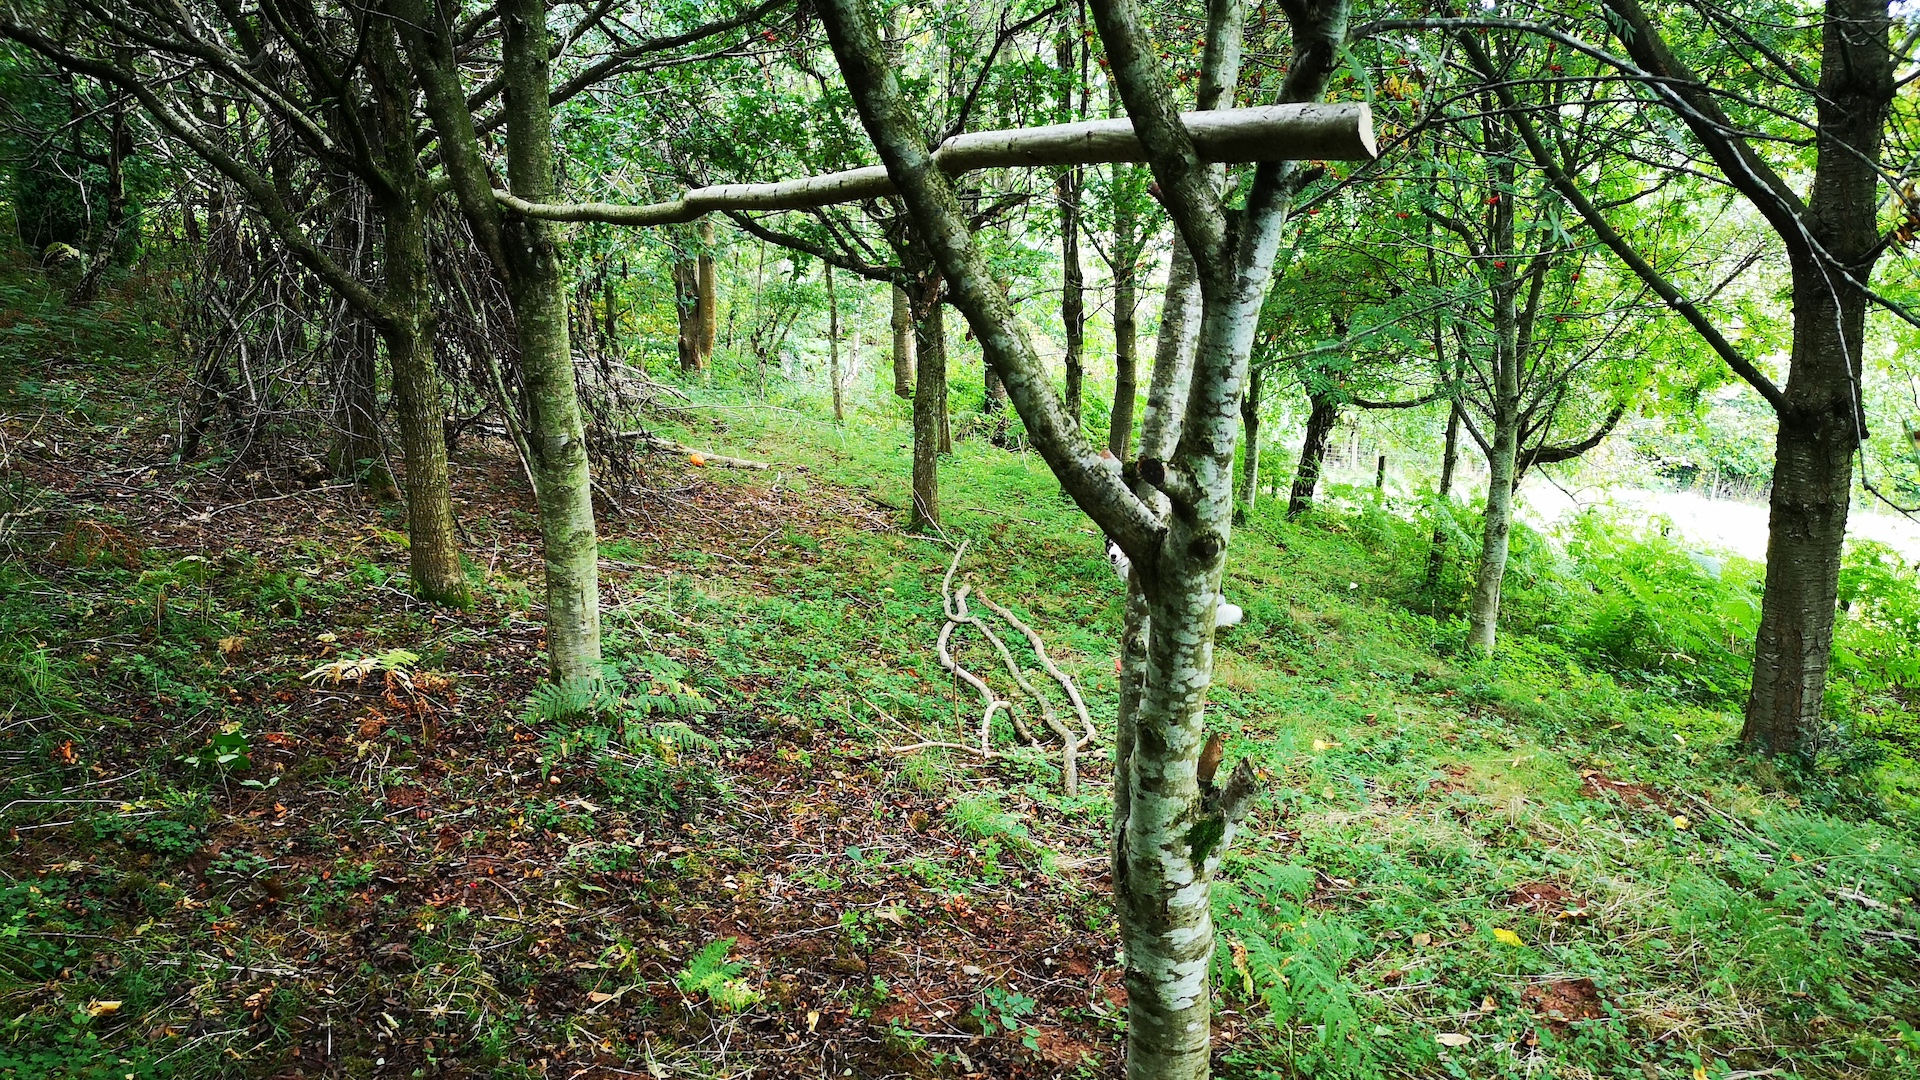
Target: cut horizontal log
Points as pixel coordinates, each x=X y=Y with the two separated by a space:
x=1294 y=132
x=697 y=457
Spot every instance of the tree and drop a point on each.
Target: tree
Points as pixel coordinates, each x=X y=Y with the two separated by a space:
x=329 y=84
x=1756 y=121
x=1170 y=827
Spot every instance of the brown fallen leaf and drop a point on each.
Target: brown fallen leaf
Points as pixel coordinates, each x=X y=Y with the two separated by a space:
x=1452 y=1038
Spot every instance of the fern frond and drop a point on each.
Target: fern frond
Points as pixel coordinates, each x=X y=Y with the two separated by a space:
x=569 y=699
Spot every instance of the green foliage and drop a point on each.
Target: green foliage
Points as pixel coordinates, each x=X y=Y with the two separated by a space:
x=709 y=973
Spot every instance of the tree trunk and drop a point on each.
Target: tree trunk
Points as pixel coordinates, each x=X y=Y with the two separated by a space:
x=433 y=547
x=1492 y=571
x=1125 y=362
x=833 y=345
x=1067 y=184
x=609 y=315
x=994 y=401
x=902 y=343
x=556 y=434
x=707 y=290
x=358 y=450
x=929 y=413
x=686 y=303
x=1321 y=419
x=1437 y=547
x=1823 y=421
x=1250 y=452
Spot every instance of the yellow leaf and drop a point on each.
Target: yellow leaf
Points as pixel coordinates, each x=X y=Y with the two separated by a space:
x=1452 y=1038
x=813 y=1020
x=1680 y=822
x=102 y=1008
x=1506 y=937
x=1422 y=940
x=1322 y=744
x=1699 y=1072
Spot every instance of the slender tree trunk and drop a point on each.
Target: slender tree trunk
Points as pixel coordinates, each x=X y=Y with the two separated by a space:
x=609 y=315
x=1824 y=419
x=1492 y=571
x=1250 y=452
x=358 y=450
x=686 y=302
x=433 y=547
x=1321 y=419
x=707 y=289
x=902 y=343
x=1437 y=546
x=556 y=433
x=1067 y=184
x=929 y=413
x=1125 y=362
x=833 y=345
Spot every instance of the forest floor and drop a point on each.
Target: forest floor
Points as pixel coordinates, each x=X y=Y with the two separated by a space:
x=265 y=815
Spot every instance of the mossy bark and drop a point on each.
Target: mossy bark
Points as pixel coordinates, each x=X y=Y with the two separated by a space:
x=556 y=432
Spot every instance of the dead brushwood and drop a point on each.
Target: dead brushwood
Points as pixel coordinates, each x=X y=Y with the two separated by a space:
x=954 y=606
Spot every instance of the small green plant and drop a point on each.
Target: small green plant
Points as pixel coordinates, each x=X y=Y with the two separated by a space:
x=710 y=973
x=1003 y=1010
x=228 y=749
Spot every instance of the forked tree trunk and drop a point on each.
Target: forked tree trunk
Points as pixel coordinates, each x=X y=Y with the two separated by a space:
x=556 y=433
x=1321 y=420
x=929 y=413
x=902 y=343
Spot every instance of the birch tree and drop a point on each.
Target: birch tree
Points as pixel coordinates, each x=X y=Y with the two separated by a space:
x=1171 y=825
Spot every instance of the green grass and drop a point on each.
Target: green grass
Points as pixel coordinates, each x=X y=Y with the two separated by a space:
x=1702 y=910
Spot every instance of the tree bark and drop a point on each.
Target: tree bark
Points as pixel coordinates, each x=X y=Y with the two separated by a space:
x=433 y=547
x=1250 y=449
x=358 y=450
x=833 y=345
x=902 y=343
x=686 y=303
x=707 y=290
x=1503 y=451
x=1437 y=546
x=929 y=410
x=1066 y=186
x=1268 y=133
x=1823 y=421
x=556 y=433
x=1125 y=362
x=1321 y=420
x=1491 y=573
x=1171 y=829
